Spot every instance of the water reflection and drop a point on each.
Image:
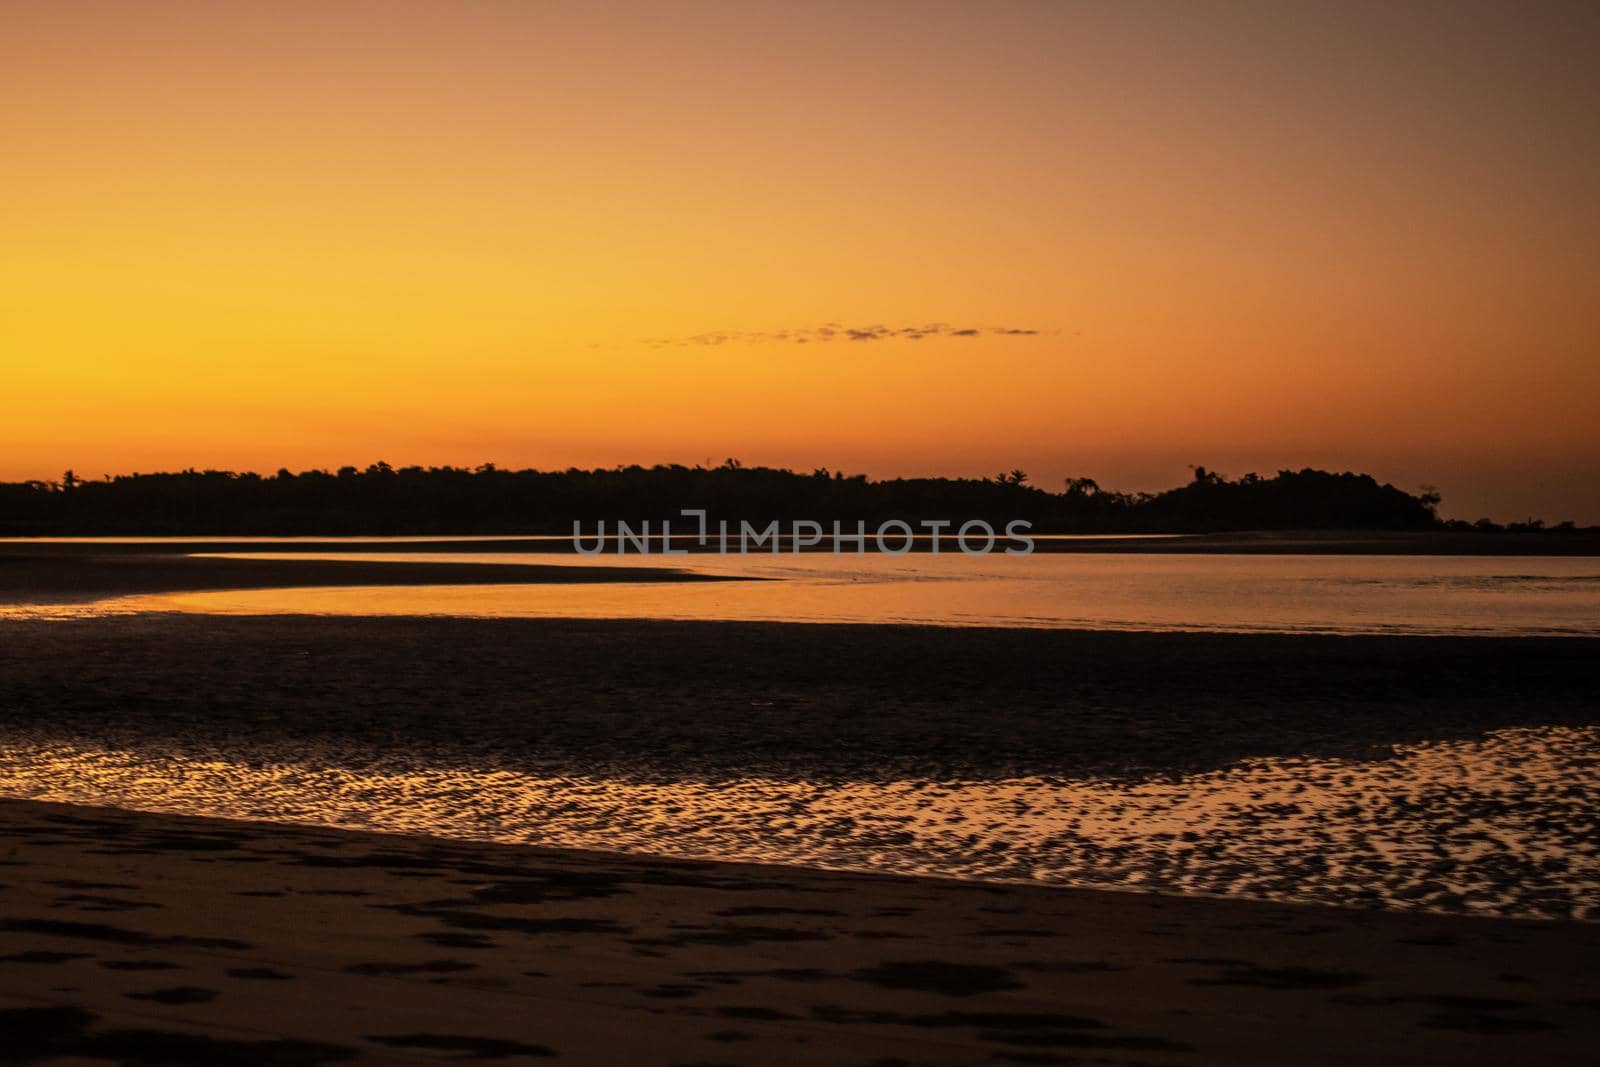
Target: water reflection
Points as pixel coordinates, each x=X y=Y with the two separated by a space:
x=1501 y=825
x=1126 y=591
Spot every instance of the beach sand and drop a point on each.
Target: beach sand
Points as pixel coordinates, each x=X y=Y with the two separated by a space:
x=161 y=938
x=164 y=939
x=1431 y=773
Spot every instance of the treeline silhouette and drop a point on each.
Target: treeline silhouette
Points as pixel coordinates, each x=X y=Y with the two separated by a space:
x=488 y=500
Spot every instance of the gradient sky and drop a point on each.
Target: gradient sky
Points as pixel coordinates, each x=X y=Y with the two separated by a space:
x=1251 y=236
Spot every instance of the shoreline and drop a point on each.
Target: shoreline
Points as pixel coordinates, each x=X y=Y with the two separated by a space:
x=220 y=937
x=1291 y=542
x=79 y=576
x=777 y=867
x=182 y=823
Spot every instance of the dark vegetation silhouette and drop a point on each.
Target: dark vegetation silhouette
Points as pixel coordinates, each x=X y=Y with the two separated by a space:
x=489 y=500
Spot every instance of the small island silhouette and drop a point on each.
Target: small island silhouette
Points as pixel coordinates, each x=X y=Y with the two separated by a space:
x=383 y=500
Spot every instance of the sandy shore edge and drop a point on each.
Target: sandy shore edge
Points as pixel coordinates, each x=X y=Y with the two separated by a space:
x=203 y=939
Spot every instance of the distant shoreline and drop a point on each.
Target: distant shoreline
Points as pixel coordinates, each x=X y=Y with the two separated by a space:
x=1243 y=542
x=80 y=570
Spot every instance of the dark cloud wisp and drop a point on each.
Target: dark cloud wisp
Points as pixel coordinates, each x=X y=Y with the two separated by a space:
x=833 y=331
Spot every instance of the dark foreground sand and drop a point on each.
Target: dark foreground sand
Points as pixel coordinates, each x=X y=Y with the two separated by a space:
x=162 y=940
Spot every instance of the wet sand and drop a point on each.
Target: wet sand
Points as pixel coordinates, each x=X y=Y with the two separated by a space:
x=1429 y=773
x=76 y=573
x=161 y=939
x=660 y=700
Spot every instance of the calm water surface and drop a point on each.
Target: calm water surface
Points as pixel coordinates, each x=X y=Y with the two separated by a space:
x=1125 y=591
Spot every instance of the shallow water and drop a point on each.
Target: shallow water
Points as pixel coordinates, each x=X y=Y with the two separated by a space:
x=1121 y=591
x=1503 y=825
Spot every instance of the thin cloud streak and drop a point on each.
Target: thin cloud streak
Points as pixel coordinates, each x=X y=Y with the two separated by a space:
x=833 y=331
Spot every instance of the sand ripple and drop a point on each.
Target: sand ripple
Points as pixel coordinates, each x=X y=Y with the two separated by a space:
x=1501 y=825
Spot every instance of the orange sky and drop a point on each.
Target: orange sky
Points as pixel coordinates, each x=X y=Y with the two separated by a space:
x=1249 y=235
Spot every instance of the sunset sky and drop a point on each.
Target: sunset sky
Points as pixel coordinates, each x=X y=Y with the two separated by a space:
x=1111 y=239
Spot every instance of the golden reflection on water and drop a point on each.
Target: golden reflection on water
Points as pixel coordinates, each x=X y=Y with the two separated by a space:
x=1119 y=591
x=1500 y=825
